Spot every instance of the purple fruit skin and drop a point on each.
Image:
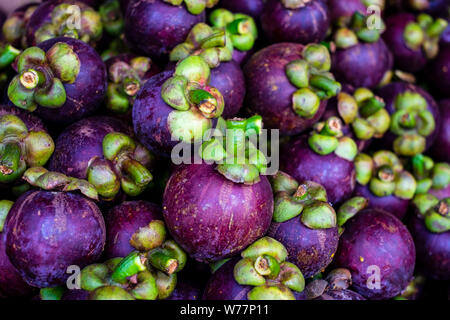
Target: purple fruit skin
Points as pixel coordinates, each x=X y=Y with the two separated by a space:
x=49 y=231
x=377 y=238
x=241 y=57
x=76 y=294
x=251 y=7
x=269 y=92
x=86 y=94
x=11 y=283
x=32 y=122
x=154 y=27
x=347 y=8
x=438 y=71
x=406 y=59
x=389 y=93
x=304 y=25
x=150 y=114
x=311 y=250
x=362 y=65
x=335 y=174
x=212 y=217
x=222 y=286
x=123 y=221
x=441 y=147
x=340 y=295
x=82 y=141
x=229 y=79
x=185 y=291
x=398 y=207
x=433 y=249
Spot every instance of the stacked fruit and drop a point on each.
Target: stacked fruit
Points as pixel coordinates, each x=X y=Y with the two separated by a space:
x=243 y=150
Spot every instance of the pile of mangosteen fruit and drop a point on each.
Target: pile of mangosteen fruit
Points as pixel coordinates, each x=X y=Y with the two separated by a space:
x=225 y=150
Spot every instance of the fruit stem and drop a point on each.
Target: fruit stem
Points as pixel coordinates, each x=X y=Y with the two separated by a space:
x=162 y=260
x=129 y=266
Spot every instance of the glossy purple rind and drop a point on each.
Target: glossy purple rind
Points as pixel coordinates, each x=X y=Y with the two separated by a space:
x=212 y=217
x=303 y=25
x=438 y=72
x=123 y=221
x=312 y=250
x=441 y=147
x=81 y=142
x=49 y=231
x=335 y=174
x=269 y=92
x=154 y=27
x=376 y=246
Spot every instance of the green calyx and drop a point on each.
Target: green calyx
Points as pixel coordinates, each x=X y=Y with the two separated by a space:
x=327 y=137
x=312 y=78
x=350 y=208
x=385 y=175
x=144 y=275
x=111 y=17
x=232 y=145
x=429 y=175
x=412 y=123
x=195 y=102
x=264 y=266
x=355 y=30
x=365 y=112
x=308 y=199
x=20 y=148
x=7 y=55
x=211 y=43
x=435 y=212
x=194 y=6
x=240 y=28
x=424 y=34
x=124 y=166
x=125 y=80
x=55 y=181
x=76 y=20
x=5 y=206
x=13 y=28
x=42 y=76
x=55 y=293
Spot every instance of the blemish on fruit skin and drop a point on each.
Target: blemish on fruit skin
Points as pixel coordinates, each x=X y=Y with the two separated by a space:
x=361 y=259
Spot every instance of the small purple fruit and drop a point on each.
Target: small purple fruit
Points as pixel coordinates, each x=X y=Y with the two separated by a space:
x=379 y=252
x=281 y=90
x=156 y=27
x=63 y=79
x=212 y=217
x=123 y=221
x=49 y=231
x=295 y=21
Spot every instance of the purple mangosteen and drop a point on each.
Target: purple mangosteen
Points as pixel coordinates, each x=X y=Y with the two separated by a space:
x=334 y=171
x=281 y=89
x=413 y=41
x=295 y=20
x=102 y=151
x=56 y=18
x=430 y=228
x=48 y=231
x=123 y=221
x=311 y=245
x=361 y=58
x=379 y=252
x=63 y=79
x=155 y=27
x=213 y=217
